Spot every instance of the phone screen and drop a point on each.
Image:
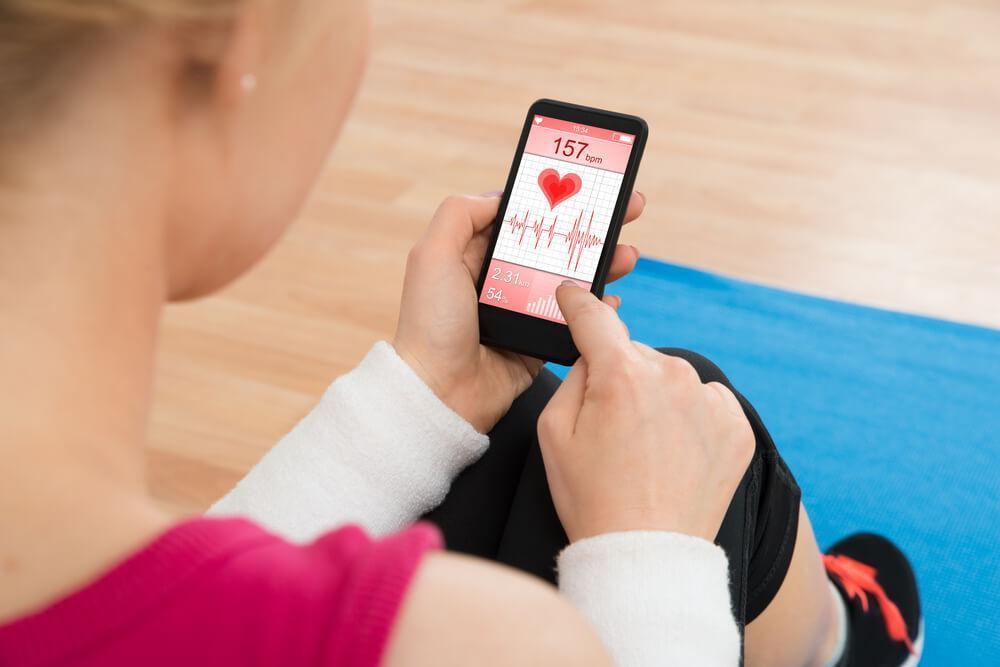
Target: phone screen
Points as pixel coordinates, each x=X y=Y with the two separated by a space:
x=557 y=216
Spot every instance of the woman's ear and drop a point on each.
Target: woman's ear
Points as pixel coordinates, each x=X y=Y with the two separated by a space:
x=239 y=66
x=220 y=57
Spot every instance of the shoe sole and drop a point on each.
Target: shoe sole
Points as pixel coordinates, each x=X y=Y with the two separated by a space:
x=918 y=648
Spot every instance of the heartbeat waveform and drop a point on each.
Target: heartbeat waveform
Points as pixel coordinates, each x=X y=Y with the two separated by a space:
x=577 y=239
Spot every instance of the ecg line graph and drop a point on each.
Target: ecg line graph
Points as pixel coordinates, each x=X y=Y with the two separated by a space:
x=577 y=239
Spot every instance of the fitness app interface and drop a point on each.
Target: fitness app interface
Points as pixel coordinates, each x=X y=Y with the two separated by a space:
x=558 y=215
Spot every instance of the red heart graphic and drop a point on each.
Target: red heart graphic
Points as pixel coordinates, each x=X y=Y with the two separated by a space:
x=556 y=189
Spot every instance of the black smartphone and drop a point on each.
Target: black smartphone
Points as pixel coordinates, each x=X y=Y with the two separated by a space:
x=559 y=219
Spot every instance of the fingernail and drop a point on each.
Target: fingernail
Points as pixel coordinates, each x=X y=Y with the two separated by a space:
x=641 y=195
x=635 y=250
x=492 y=193
x=567 y=283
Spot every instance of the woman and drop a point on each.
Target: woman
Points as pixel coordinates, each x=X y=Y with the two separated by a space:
x=153 y=151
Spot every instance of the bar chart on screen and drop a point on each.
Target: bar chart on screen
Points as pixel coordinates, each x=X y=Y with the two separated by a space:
x=546 y=307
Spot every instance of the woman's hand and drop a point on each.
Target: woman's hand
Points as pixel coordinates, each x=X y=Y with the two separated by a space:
x=438 y=330
x=633 y=440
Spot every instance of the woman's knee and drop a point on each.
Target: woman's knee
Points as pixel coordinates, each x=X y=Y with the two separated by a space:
x=706 y=368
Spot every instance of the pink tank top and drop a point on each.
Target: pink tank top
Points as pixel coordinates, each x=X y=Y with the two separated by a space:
x=226 y=592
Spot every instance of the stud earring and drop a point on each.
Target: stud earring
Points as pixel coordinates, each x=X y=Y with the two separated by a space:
x=248 y=82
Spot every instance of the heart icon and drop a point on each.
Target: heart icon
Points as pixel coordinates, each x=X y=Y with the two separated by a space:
x=558 y=189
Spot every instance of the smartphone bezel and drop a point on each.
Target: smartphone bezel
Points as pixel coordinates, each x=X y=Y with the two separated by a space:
x=533 y=336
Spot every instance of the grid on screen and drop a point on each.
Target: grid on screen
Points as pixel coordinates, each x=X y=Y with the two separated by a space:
x=525 y=235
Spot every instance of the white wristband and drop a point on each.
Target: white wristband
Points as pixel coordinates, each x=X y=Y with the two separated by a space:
x=654 y=598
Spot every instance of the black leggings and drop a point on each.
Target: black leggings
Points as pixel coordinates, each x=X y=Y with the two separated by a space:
x=500 y=507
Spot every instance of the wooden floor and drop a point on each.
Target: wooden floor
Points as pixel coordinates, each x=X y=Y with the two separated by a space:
x=848 y=148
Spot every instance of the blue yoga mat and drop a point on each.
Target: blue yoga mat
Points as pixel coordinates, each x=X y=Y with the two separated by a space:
x=890 y=423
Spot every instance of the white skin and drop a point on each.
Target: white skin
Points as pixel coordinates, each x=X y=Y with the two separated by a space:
x=106 y=216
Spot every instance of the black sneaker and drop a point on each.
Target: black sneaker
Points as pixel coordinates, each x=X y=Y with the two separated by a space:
x=885 y=628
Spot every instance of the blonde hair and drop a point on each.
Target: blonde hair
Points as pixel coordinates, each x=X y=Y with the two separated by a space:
x=43 y=41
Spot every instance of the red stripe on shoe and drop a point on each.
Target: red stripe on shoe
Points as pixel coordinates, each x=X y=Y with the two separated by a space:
x=858 y=581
